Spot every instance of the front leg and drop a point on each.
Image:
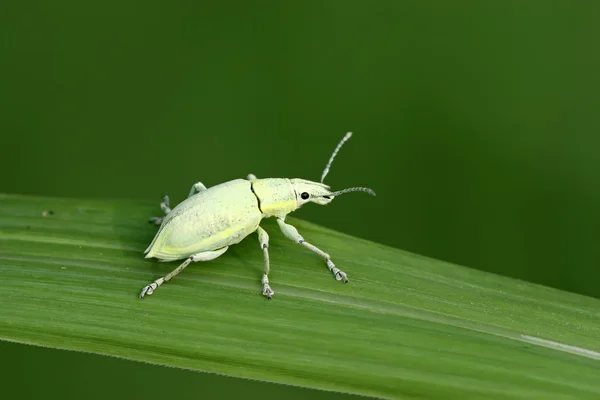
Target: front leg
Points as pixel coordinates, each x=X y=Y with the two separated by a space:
x=292 y=233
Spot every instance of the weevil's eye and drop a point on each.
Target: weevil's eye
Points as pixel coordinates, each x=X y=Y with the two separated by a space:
x=305 y=196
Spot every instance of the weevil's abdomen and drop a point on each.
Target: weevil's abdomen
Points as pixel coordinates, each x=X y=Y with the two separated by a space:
x=220 y=216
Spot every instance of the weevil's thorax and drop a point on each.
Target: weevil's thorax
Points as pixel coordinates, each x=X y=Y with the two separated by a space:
x=276 y=196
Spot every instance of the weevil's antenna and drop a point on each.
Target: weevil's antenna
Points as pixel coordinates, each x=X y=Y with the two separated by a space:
x=326 y=171
x=354 y=189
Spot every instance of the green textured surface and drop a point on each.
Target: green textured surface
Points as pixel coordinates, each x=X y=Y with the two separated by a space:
x=476 y=122
x=404 y=325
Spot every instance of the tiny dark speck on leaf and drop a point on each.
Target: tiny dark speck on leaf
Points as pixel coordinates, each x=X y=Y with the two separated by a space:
x=47 y=213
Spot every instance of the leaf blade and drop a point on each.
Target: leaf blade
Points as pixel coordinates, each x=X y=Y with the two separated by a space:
x=405 y=324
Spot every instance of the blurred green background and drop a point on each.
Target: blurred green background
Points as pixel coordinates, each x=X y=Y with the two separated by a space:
x=475 y=122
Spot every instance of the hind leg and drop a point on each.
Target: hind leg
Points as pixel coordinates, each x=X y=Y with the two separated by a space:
x=164 y=205
x=204 y=256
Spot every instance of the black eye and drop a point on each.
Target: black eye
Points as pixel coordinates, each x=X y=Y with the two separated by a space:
x=304 y=195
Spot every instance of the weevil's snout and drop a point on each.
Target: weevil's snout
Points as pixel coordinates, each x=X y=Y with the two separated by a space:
x=323 y=199
x=308 y=191
x=320 y=193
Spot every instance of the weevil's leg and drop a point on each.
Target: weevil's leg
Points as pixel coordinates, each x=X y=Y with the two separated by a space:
x=204 y=256
x=196 y=188
x=164 y=205
x=292 y=233
x=263 y=239
x=251 y=177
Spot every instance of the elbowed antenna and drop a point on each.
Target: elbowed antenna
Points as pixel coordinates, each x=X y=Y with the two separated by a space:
x=354 y=189
x=326 y=171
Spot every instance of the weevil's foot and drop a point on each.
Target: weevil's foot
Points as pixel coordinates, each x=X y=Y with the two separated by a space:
x=155 y=220
x=150 y=288
x=267 y=291
x=165 y=206
x=337 y=273
x=341 y=275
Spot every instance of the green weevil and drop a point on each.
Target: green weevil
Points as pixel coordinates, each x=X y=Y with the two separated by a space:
x=202 y=227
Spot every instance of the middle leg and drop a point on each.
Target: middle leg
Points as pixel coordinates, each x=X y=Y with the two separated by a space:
x=263 y=239
x=196 y=188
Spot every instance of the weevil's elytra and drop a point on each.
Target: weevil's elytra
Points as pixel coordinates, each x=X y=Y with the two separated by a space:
x=202 y=227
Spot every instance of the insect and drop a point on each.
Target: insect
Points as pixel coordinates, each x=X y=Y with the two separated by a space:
x=202 y=227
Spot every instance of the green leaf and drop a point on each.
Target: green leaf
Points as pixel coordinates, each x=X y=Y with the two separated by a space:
x=404 y=325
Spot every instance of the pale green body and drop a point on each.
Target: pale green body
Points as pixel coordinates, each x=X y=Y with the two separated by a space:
x=221 y=216
x=202 y=227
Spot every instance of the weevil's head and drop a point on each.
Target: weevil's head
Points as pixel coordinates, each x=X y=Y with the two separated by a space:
x=315 y=192
x=318 y=192
x=308 y=191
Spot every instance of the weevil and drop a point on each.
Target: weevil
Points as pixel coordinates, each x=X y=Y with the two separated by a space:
x=203 y=226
